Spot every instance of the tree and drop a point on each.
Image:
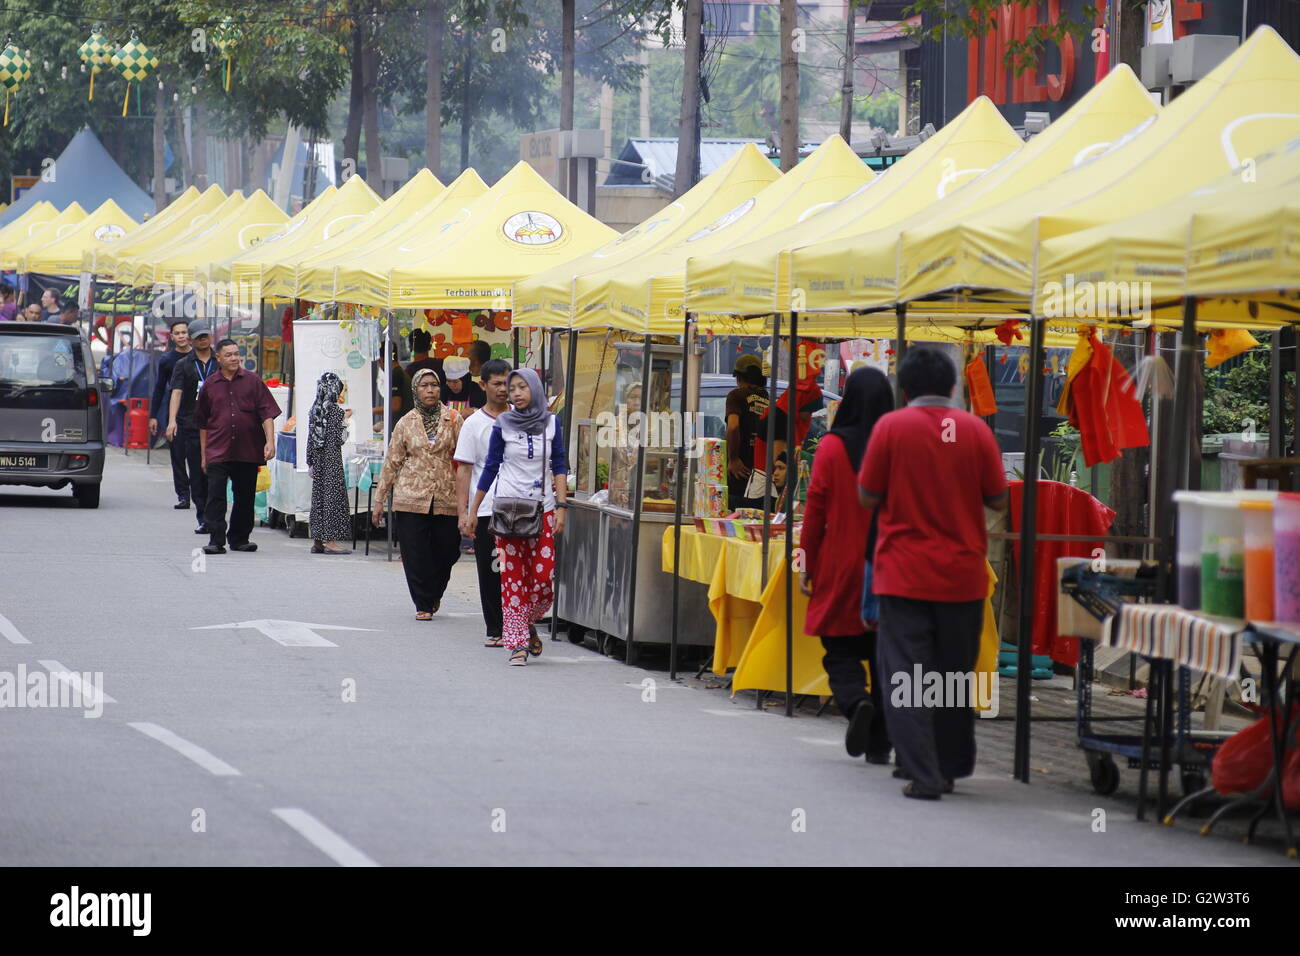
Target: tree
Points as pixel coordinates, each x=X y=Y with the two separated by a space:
x=789 y=86
x=433 y=86
x=688 y=130
x=975 y=18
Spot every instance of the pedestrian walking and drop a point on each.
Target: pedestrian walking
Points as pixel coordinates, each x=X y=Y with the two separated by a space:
x=527 y=509
x=835 y=543
x=331 y=518
x=420 y=473
x=930 y=470
x=188 y=376
x=471 y=455
x=159 y=404
x=235 y=415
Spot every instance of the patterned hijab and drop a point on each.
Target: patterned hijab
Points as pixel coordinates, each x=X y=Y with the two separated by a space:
x=328 y=390
x=533 y=419
x=431 y=414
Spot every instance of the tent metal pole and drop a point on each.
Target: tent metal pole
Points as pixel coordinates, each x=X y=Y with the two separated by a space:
x=791 y=482
x=900 y=349
x=1028 y=531
x=571 y=457
x=771 y=438
x=642 y=439
x=678 y=495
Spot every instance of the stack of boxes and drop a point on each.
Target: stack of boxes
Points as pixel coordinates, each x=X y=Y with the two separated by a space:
x=711 y=478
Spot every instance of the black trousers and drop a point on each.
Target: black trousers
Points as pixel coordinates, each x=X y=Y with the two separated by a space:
x=935 y=740
x=180 y=476
x=848 y=680
x=430 y=546
x=196 y=483
x=242 y=476
x=489 y=576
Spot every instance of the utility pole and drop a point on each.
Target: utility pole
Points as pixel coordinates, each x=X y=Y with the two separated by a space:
x=846 y=88
x=688 y=130
x=789 y=85
x=568 y=27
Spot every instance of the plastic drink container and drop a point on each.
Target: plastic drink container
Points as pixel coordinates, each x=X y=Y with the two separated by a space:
x=1189 y=549
x=1223 y=559
x=1286 y=557
x=1257 y=520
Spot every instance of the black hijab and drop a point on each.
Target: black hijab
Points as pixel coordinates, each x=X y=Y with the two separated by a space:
x=867 y=396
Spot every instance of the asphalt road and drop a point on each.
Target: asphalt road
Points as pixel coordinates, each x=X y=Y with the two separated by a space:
x=224 y=745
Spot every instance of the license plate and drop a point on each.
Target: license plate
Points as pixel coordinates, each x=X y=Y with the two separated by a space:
x=24 y=461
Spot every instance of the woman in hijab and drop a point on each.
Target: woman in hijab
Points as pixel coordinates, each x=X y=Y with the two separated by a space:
x=421 y=474
x=525 y=444
x=836 y=542
x=331 y=519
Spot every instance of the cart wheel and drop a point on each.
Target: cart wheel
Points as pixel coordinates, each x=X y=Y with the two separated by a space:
x=1105 y=775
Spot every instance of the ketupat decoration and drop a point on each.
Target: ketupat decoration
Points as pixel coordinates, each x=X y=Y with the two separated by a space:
x=96 y=53
x=224 y=38
x=135 y=62
x=14 y=72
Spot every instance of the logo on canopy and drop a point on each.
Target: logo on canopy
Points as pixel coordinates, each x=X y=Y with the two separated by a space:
x=723 y=221
x=532 y=228
x=109 y=232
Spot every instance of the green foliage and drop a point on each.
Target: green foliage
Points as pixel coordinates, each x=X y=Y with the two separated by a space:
x=1239 y=394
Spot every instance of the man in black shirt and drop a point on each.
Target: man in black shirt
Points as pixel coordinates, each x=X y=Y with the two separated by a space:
x=187 y=378
x=180 y=347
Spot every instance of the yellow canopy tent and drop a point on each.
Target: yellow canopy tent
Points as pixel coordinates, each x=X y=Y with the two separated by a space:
x=360 y=275
x=1126 y=267
x=292 y=278
x=172 y=221
x=254 y=220
x=61 y=224
x=867 y=263
x=757 y=274
x=220 y=270
x=647 y=295
x=139 y=256
x=33 y=219
x=62 y=256
x=518 y=228
x=1229 y=116
x=550 y=299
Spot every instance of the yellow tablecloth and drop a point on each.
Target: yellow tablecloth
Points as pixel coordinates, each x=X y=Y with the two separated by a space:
x=751 y=621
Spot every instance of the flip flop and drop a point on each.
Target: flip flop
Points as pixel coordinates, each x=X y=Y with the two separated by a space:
x=423 y=616
x=494 y=642
x=519 y=657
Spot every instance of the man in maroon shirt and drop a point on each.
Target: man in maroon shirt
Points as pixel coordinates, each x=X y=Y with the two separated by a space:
x=931 y=469
x=234 y=415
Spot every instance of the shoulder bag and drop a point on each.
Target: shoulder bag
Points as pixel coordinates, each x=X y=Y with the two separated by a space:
x=521 y=517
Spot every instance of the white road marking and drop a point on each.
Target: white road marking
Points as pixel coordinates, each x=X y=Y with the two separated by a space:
x=214 y=765
x=286 y=633
x=73 y=679
x=578 y=660
x=732 y=712
x=8 y=630
x=323 y=838
x=821 y=741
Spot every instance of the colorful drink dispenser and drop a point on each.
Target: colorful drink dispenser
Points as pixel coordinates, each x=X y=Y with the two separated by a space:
x=1257 y=520
x=1286 y=562
x=1189 y=549
x=1223 y=559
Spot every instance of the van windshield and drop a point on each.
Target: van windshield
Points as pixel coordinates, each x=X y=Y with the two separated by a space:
x=40 y=361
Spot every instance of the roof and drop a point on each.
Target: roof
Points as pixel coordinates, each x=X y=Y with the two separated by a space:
x=87 y=174
x=658 y=156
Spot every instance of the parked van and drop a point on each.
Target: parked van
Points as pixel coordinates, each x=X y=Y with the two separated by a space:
x=51 y=410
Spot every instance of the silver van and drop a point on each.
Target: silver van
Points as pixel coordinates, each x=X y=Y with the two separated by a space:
x=51 y=410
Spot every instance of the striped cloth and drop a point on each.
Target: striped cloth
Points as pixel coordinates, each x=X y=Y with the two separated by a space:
x=1173 y=633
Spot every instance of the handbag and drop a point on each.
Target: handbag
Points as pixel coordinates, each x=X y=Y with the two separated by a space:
x=520 y=517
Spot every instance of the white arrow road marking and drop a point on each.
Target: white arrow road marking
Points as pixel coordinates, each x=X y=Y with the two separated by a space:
x=323 y=838
x=73 y=679
x=288 y=633
x=213 y=765
x=8 y=630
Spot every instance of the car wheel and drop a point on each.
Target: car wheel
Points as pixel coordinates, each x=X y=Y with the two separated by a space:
x=87 y=495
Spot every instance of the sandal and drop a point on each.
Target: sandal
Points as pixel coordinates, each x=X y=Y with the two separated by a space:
x=534 y=642
x=909 y=790
x=494 y=642
x=519 y=657
x=424 y=615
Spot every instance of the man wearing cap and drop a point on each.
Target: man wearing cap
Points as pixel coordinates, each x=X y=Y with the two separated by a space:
x=746 y=405
x=179 y=347
x=187 y=379
x=461 y=392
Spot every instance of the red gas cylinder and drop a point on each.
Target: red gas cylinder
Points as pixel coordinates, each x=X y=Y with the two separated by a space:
x=137 y=423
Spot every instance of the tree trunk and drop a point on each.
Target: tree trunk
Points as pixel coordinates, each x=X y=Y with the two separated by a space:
x=789 y=87
x=182 y=147
x=688 y=129
x=200 y=146
x=568 y=27
x=159 y=128
x=1132 y=25
x=374 y=161
x=433 y=87
x=464 y=100
x=356 y=98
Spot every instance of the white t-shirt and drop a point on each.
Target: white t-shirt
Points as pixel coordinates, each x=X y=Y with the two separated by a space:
x=472 y=449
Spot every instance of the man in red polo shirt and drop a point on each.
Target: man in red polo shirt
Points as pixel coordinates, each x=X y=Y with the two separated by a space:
x=234 y=414
x=931 y=469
